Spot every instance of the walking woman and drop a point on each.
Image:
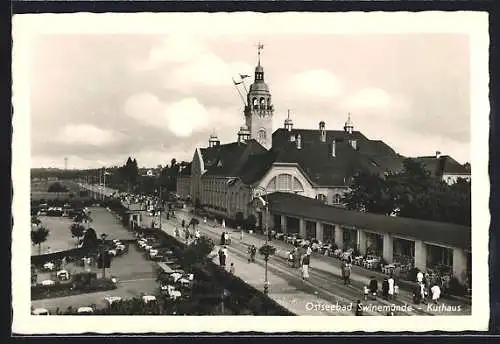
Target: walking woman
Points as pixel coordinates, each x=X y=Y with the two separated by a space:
x=306 y=260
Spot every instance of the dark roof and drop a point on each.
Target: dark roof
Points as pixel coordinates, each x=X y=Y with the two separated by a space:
x=228 y=160
x=257 y=166
x=445 y=164
x=315 y=157
x=434 y=232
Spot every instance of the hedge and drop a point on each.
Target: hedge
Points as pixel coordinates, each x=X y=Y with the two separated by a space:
x=241 y=292
x=50 y=257
x=66 y=289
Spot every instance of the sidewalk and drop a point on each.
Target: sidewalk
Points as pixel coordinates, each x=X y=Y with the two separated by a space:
x=331 y=267
x=281 y=291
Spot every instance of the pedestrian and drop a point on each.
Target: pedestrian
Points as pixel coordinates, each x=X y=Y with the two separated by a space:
x=416 y=294
x=358 y=310
x=385 y=288
x=221 y=257
x=226 y=254
x=308 y=250
x=222 y=239
x=420 y=277
x=366 y=292
x=232 y=269
x=306 y=259
x=423 y=292
x=253 y=253
x=436 y=293
x=391 y=287
x=197 y=234
x=226 y=238
x=373 y=286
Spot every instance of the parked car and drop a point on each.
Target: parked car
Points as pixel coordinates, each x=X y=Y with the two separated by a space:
x=148 y=298
x=48 y=282
x=85 y=310
x=40 y=311
x=111 y=299
x=63 y=275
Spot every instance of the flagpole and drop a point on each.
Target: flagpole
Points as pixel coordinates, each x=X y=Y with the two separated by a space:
x=239 y=92
x=104 y=183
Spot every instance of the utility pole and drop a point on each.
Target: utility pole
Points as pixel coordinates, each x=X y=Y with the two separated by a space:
x=160 y=207
x=104 y=184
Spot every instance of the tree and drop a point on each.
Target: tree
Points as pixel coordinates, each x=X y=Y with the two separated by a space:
x=266 y=251
x=197 y=252
x=369 y=192
x=90 y=241
x=412 y=193
x=77 y=230
x=39 y=236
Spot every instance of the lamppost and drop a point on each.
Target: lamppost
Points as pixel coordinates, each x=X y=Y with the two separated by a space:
x=103 y=237
x=265 y=204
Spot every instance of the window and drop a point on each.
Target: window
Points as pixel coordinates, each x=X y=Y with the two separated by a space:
x=336 y=199
x=297 y=185
x=322 y=198
x=271 y=186
x=261 y=136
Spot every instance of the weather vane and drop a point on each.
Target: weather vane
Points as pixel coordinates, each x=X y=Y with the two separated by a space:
x=260 y=47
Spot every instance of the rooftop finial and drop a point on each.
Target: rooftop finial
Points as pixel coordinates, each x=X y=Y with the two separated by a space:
x=260 y=47
x=288 y=113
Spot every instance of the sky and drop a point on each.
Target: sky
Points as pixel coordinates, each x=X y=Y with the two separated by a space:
x=98 y=98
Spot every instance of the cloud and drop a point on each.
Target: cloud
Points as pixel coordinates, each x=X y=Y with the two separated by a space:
x=87 y=134
x=182 y=117
x=368 y=98
x=315 y=83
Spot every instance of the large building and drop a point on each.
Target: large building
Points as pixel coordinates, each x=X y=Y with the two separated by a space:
x=316 y=163
x=446 y=168
x=303 y=174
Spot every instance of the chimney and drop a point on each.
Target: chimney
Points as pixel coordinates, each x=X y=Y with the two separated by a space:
x=322 y=131
x=299 y=142
x=438 y=154
x=288 y=122
x=333 y=148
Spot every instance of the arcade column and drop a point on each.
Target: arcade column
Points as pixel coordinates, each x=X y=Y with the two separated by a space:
x=420 y=255
x=319 y=231
x=339 y=236
x=361 y=241
x=302 y=228
x=459 y=264
x=388 y=248
x=283 y=223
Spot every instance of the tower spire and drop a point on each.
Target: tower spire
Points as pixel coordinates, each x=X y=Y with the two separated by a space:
x=260 y=47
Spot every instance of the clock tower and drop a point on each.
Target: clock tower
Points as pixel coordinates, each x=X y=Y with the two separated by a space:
x=259 y=109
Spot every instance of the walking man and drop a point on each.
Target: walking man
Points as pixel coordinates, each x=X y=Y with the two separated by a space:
x=306 y=260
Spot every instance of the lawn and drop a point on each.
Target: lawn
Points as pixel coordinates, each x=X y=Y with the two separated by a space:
x=60 y=236
x=135 y=273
